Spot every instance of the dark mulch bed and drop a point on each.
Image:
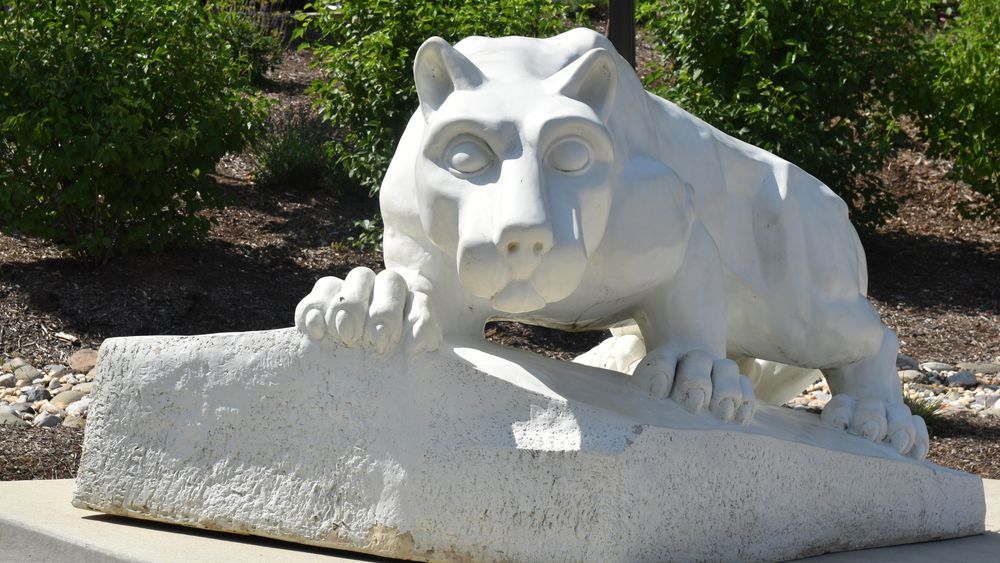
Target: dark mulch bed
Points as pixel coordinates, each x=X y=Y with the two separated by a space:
x=968 y=443
x=39 y=453
x=933 y=278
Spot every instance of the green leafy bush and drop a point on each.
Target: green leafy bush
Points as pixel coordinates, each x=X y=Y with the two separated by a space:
x=255 y=33
x=814 y=81
x=369 y=235
x=112 y=112
x=291 y=151
x=368 y=53
x=932 y=413
x=956 y=97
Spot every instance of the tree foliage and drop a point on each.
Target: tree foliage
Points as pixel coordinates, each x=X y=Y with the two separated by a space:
x=367 y=53
x=112 y=113
x=814 y=81
x=956 y=97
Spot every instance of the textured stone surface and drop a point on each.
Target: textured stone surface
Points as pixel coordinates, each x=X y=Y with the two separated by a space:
x=482 y=454
x=63 y=533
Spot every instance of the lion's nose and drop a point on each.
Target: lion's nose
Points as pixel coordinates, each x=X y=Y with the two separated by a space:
x=523 y=247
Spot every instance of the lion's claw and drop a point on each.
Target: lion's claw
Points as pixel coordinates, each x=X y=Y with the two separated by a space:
x=697 y=381
x=375 y=311
x=879 y=421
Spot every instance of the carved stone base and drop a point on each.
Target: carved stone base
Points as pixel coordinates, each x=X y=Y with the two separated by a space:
x=482 y=454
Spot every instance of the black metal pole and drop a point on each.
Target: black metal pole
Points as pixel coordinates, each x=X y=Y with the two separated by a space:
x=621 y=28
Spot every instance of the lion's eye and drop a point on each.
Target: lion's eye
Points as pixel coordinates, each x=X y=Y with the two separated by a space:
x=468 y=156
x=570 y=155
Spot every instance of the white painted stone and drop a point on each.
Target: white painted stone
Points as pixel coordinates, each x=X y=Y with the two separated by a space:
x=475 y=452
x=539 y=182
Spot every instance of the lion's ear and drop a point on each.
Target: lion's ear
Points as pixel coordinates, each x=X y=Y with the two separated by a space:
x=439 y=69
x=591 y=79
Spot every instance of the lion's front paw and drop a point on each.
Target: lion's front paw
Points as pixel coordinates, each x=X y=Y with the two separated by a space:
x=696 y=380
x=879 y=420
x=376 y=311
x=618 y=353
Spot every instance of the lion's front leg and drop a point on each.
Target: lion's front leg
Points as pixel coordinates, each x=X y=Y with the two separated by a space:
x=377 y=311
x=683 y=323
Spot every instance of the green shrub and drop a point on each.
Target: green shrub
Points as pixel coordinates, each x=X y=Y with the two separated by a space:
x=368 y=57
x=956 y=98
x=112 y=113
x=932 y=413
x=255 y=32
x=814 y=81
x=291 y=151
x=369 y=235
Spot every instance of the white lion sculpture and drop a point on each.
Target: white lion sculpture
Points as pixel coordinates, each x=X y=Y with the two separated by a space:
x=539 y=182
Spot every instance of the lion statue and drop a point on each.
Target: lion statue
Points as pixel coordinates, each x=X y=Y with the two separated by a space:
x=539 y=182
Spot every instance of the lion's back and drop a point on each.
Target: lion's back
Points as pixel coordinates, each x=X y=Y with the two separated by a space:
x=775 y=224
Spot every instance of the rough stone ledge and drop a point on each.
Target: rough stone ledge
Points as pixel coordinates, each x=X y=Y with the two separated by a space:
x=481 y=454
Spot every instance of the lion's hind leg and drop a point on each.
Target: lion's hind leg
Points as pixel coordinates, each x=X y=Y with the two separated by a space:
x=776 y=383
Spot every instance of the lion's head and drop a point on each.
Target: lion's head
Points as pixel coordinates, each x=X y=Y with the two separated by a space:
x=514 y=174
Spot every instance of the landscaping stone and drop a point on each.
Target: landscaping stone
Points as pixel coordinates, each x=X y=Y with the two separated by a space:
x=86 y=388
x=56 y=370
x=67 y=397
x=906 y=362
x=46 y=420
x=22 y=407
x=51 y=408
x=11 y=365
x=79 y=408
x=980 y=367
x=35 y=394
x=74 y=421
x=9 y=418
x=83 y=360
x=912 y=375
x=937 y=367
x=8 y=380
x=27 y=372
x=962 y=379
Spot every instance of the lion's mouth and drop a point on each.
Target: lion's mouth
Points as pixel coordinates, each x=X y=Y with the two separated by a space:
x=485 y=273
x=518 y=296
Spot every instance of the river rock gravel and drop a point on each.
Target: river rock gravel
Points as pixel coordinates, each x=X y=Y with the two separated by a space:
x=45 y=399
x=964 y=388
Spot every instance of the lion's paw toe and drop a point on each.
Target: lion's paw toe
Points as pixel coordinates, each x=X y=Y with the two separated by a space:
x=879 y=420
x=375 y=311
x=696 y=381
